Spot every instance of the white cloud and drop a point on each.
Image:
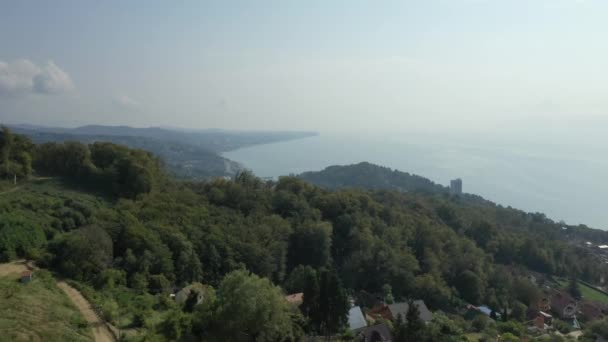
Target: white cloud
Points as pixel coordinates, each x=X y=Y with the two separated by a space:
x=23 y=77
x=126 y=102
x=52 y=80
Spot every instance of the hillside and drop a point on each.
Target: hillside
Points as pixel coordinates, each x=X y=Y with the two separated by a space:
x=107 y=218
x=369 y=176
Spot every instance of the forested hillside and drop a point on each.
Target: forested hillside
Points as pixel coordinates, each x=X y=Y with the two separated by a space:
x=112 y=221
x=369 y=176
x=187 y=154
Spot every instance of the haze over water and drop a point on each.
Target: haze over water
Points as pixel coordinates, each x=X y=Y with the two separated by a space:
x=559 y=179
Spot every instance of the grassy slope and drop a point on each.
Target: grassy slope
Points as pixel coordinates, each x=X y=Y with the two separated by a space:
x=38 y=311
x=589 y=293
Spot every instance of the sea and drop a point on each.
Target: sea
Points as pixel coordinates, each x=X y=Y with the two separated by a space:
x=560 y=178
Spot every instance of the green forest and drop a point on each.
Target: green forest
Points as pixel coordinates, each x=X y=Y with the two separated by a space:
x=111 y=220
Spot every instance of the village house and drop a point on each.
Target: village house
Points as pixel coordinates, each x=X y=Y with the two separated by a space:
x=392 y=311
x=484 y=309
x=538 y=319
x=563 y=305
x=356 y=320
x=182 y=296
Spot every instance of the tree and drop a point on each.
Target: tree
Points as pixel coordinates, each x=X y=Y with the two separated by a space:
x=176 y=324
x=6 y=143
x=573 y=287
x=597 y=329
x=414 y=325
x=299 y=278
x=333 y=304
x=250 y=308
x=525 y=291
x=470 y=286
x=83 y=253
x=310 y=302
x=480 y=322
x=518 y=311
x=310 y=245
x=387 y=294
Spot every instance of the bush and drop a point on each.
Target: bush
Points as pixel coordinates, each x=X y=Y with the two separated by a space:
x=511 y=327
x=562 y=326
x=480 y=323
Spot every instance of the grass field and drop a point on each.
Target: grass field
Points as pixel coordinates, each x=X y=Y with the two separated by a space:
x=588 y=292
x=38 y=311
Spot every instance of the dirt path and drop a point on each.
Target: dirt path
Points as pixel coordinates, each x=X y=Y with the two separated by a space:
x=101 y=333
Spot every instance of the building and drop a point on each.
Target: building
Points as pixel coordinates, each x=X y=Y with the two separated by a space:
x=473 y=310
x=376 y=333
x=456 y=186
x=563 y=305
x=199 y=289
x=356 y=319
x=392 y=311
x=539 y=318
x=295 y=299
x=544 y=304
x=27 y=276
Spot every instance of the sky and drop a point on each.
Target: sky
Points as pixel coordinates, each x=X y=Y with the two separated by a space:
x=305 y=65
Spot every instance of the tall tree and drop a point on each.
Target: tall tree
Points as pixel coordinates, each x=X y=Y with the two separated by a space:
x=414 y=325
x=333 y=303
x=250 y=308
x=573 y=287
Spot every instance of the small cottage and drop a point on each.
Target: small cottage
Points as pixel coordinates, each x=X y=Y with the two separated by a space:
x=295 y=298
x=27 y=276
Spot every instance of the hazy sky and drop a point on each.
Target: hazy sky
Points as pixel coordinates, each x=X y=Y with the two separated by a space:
x=320 y=65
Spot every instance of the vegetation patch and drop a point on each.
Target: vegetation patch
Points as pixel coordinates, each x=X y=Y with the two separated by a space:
x=38 y=311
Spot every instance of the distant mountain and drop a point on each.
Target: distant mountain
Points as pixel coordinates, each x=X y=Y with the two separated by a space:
x=182 y=160
x=371 y=176
x=210 y=139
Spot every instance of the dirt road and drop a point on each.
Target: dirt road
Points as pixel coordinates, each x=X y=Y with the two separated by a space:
x=101 y=333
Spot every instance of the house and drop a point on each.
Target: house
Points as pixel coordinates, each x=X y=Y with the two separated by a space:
x=563 y=305
x=484 y=309
x=539 y=319
x=356 y=319
x=183 y=295
x=375 y=333
x=544 y=304
x=26 y=276
x=392 y=311
x=295 y=298
x=590 y=312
